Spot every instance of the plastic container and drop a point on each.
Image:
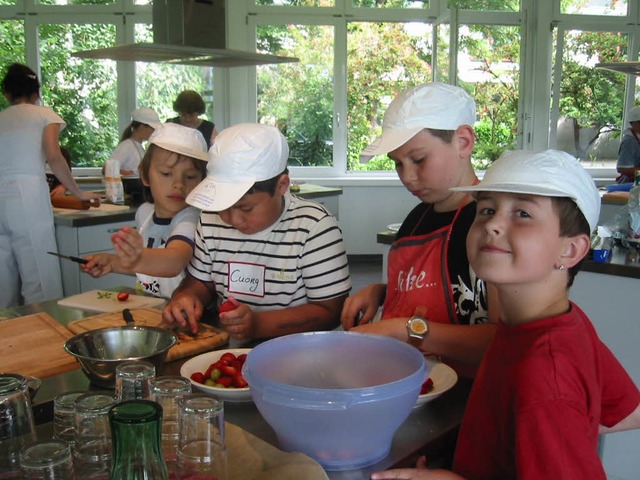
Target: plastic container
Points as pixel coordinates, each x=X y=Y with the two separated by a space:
x=338 y=397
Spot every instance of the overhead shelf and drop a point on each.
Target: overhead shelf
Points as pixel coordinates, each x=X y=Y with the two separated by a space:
x=629 y=68
x=179 y=54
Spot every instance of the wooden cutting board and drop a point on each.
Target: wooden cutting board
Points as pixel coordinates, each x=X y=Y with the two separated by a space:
x=34 y=345
x=208 y=338
x=107 y=301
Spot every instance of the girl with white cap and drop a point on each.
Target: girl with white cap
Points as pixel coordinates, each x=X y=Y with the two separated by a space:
x=130 y=151
x=432 y=298
x=158 y=251
x=28 y=140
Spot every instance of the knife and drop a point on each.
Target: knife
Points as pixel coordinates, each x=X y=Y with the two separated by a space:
x=70 y=257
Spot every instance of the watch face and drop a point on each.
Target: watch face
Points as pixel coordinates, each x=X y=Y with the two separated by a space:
x=418 y=326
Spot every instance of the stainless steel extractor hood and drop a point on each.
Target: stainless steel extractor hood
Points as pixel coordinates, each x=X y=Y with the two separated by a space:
x=629 y=68
x=191 y=32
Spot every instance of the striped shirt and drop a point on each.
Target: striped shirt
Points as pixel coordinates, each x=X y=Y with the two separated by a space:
x=299 y=259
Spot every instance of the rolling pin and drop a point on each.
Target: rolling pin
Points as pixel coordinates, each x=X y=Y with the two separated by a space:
x=69 y=201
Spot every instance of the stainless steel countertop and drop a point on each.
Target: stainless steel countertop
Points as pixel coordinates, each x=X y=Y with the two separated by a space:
x=429 y=430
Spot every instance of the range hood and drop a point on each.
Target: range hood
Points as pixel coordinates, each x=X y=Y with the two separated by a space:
x=188 y=32
x=629 y=68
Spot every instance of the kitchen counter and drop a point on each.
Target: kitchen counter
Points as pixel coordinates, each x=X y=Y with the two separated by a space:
x=623 y=262
x=84 y=232
x=429 y=430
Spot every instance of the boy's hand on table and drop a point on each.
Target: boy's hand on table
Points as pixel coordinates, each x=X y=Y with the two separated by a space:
x=184 y=310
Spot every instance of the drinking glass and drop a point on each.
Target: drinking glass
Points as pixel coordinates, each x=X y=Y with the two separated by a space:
x=47 y=460
x=64 y=416
x=133 y=380
x=165 y=390
x=201 y=444
x=16 y=422
x=92 y=449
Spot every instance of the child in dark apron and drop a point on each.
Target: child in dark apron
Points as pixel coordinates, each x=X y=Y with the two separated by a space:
x=428 y=132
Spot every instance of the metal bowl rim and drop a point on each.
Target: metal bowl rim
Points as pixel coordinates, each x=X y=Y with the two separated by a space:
x=78 y=336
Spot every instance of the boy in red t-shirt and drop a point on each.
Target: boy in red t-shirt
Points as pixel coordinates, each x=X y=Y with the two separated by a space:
x=547 y=386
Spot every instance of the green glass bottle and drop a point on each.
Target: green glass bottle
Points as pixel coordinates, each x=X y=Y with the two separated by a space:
x=135 y=430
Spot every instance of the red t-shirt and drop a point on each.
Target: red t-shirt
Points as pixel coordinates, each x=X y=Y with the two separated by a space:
x=537 y=400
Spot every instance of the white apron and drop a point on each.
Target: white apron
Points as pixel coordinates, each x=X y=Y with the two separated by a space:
x=158 y=286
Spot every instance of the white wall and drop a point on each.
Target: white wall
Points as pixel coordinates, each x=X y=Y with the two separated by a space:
x=367 y=210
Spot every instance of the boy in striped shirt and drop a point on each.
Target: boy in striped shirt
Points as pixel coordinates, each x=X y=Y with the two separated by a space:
x=276 y=261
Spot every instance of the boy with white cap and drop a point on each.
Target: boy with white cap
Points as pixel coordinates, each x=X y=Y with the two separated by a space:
x=277 y=262
x=547 y=386
x=432 y=298
x=629 y=150
x=158 y=251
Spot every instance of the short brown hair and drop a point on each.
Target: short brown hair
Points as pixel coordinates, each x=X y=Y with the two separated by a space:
x=189 y=101
x=572 y=223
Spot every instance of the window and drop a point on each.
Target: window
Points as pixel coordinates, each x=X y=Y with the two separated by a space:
x=11 y=48
x=82 y=92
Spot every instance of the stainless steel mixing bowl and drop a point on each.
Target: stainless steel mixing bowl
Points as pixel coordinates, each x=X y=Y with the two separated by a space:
x=99 y=351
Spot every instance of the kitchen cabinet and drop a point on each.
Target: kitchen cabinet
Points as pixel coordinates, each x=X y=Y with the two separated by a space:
x=85 y=232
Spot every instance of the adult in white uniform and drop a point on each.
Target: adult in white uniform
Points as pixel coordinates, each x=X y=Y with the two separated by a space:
x=29 y=139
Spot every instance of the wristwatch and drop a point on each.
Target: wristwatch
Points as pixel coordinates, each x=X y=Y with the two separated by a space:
x=418 y=329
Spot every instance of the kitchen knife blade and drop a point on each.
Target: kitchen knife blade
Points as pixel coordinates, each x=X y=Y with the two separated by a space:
x=70 y=257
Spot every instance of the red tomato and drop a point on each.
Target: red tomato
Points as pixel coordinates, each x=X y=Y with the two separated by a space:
x=227 y=358
x=198 y=377
x=123 y=296
x=427 y=386
x=239 y=381
x=226 y=307
x=229 y=370
x=225 y=381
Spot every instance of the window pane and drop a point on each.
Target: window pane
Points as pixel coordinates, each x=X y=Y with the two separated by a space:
x=297 y=3
x=488 y=68
x=298 y=97
x=488 y=5
x=391 y=3
x=384 y=59
x=594 y=7
x=7 y=2
x=158 y=84
x=11 y=48
x=591 y=101
x=82 y=92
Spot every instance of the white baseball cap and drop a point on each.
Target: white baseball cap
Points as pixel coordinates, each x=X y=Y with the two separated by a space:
x=180 y=139
x=634 y=115
x=148 y=116
x=433 y=105
x=240 y=156
x=551 y=173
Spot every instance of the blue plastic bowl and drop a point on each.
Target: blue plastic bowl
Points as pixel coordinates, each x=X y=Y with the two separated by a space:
x=338 y=397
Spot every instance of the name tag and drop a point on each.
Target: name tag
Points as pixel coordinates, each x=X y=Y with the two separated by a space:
x=246 y=278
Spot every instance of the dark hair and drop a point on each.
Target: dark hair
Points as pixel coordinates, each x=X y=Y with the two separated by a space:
x=189 y=101
x=20 y=82
x=132 y=127
x=572 y=223
x=145 y=165
x=444 y=135
x=269 y=185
